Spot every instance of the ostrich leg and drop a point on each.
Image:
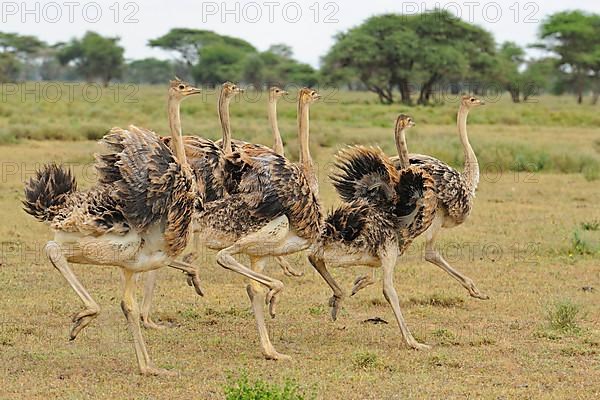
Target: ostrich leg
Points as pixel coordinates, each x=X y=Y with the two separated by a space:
x=259 y=243
x=132 y=314
x=434 y=257
x=83 y=318
x=338 y=294
x=149 y=287
x=287 y=268
x=255 y=292
x=388 y=262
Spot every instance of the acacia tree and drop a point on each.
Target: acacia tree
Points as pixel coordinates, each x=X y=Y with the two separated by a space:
x=509 y=60
x=380 y=53
x=404 y=52
x=573 y=37
x=203 y=50
x=94 y=57
x=449 y=50
x=277 y=66
x=15 y=52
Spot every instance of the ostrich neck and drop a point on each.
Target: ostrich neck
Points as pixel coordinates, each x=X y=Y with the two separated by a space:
x=401 y=148
x=225 y=125
x=277 y=142
x=305 y=158
x=175 y=128
x=471 y=168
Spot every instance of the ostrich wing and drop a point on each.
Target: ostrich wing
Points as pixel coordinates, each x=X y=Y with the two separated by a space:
x=415 y=203
x=364 y=173
x=452 y=192
x=148 y=180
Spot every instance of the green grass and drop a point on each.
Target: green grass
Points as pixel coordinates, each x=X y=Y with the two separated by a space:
x=563 y=317
x=528 y=212
x=243 y=389
x=585 y=239
x=507 y=137
x=365 y=360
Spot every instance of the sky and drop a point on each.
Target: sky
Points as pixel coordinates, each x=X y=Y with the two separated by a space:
x=308 y=26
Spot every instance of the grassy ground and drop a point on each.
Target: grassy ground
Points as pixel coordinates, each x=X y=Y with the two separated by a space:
x=531 y=244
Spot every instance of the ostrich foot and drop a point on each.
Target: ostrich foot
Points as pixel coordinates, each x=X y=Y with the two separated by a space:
x=361 y=282
x=335 y=304
x=474 y=292
x=274 y=355
x=419 y=346
x=193 y=279
x=271 y=298
x=154 y=371
x=81 y=320
x=148 y=323
x=287 y=268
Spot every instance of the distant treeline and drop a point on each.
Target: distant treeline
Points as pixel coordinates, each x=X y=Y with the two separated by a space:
x=401 y=58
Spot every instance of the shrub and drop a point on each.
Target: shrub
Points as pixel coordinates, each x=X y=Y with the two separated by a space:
x=562 y=317
x=243 y=389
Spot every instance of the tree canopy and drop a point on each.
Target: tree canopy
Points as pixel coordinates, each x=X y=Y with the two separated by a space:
x=15 y=52
x=94 y=56
x=212 y=58
x=409 y=53
x=406 y=58
x=573 y=37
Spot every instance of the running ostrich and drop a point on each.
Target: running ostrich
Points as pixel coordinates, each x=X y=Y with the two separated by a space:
x=228 y=91
x=455 y=192
x=207 y=159
x=137 y=217
x=275 y=211
x=390 y=209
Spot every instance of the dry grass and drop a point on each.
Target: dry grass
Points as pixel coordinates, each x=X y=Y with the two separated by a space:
x=516 y=246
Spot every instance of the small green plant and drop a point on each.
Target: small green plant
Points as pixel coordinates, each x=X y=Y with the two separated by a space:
x=591 y=226
x=243 y=389
x=562 y=317
x=189 y=314
x=578 y=244
x=316 y=310
x=365 y=360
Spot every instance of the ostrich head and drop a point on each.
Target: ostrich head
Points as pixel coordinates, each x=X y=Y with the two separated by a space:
x=404 y=121
x=308 y=96
x=275 y=93
x=231 y=89
x=179 y=89
x=471 y=101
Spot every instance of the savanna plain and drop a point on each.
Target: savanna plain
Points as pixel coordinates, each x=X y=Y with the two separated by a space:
x=532 y=244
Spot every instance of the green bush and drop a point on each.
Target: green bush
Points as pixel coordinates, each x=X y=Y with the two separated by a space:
x=243 y=389
x=562 y=317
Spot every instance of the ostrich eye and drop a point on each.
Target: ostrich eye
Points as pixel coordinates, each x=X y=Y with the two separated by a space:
x=313 y=93
x=276 y=90
x=472 y=99
x=181 y=87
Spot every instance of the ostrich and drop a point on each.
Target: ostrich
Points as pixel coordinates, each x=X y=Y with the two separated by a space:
x=207 y=159
x=274 y=212
x=455 y=192
x=391 y=207
x=275 y=93
x=138 y=216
